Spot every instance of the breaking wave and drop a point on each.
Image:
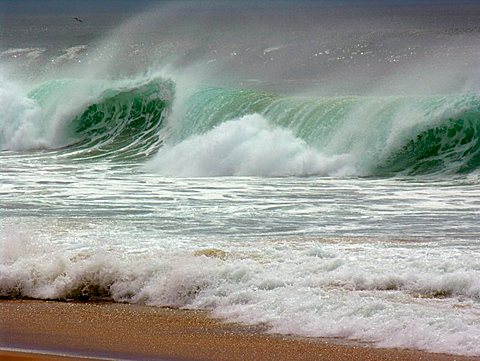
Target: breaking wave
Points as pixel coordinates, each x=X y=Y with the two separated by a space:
x=245 y=132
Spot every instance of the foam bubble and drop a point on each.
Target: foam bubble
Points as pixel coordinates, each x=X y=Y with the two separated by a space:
x=18 y=128
x=383 y=295
x=249 y=145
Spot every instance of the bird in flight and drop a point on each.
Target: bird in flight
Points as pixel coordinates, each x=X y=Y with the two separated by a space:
x=78 y=19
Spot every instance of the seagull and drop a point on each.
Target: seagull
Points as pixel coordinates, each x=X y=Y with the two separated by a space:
x=78 y=19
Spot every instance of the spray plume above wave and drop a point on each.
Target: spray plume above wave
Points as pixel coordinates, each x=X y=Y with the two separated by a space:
x=206 y=91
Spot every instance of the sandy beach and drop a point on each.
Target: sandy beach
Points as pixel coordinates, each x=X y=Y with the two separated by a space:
x=72 y=330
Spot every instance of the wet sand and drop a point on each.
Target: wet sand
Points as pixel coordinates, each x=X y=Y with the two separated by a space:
x=122 y=331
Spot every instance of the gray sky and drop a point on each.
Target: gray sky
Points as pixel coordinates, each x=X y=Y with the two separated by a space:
x=126 y=6
x=68 y=6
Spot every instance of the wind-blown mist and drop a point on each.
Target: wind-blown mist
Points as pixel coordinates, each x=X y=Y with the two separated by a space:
x=360 y=53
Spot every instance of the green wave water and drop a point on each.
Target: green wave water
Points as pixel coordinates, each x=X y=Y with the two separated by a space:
x=123 y=121
x=126 y=123
x=385 y=136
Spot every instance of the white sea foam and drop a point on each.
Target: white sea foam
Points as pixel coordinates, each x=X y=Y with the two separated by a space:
x=247 y=146
x=27 y=124
x=19 y=115
x=387 y=295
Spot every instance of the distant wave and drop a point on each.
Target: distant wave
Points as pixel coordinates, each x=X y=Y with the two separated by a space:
x=30 y=53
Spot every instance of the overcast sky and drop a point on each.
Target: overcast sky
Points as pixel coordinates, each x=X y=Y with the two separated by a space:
x=127 y=6
x=73 y=6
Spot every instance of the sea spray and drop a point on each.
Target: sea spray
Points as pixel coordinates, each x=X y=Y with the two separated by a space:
x=362 y=136
x=19 y=127
x=244 y=147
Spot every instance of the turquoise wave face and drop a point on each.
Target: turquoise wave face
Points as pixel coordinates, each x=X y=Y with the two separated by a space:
x=383 y=136
x=452 y=146
x=124 y=121
x=125 y=124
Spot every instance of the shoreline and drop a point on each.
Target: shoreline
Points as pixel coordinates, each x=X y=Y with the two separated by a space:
x=12 y=354
x=63 y=331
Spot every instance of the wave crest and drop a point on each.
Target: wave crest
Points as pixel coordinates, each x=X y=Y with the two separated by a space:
x=246 y=132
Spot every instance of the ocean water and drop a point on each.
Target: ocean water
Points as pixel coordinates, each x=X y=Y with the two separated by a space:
x=312 y=167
